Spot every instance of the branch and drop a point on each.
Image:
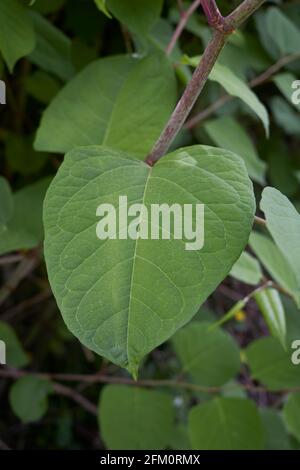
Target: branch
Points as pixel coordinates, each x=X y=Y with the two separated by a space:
x=259 y=80
x=184 y=18
x=148 y=383
x=222 y=28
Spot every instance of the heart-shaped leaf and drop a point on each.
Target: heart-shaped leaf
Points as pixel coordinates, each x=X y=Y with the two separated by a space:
x=122 y=298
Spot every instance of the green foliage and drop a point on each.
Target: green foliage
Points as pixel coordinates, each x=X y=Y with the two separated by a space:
x=135 y=418
x=272 y=309
x=223 y=132
x=15 y=354
x=272 y=365
x=210 y=356
x=124 y=329
x=291 y=412
x=283 y=222
x=16 y=32
x=24 y=230
x=226 y=424
x=247 y=269
x=214 y=332
x=28 y=398
x=108 y=96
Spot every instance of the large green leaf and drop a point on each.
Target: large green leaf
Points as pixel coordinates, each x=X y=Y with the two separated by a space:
x=236 y=87
x=272 y=365
x=283 y=222
x=211 y=357
x=291 y=412
x=118 y=101
x=28 y=397
x=25 y=229
x=132 y=418
x=224 y=131
x=122 y=298
x=138 y=15
x=226 y=424
x=17 y=37
x=53 y=49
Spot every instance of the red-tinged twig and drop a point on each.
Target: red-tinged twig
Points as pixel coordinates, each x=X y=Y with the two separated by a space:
x=222 y=28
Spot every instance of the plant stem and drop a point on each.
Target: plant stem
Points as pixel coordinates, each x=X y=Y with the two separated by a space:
x=259 y=80
x=188 y=98
x=222 y=27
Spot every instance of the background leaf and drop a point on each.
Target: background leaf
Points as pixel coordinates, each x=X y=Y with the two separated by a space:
x=28 y=398
x=135 y=418
x=226 y=424
x=211 y=357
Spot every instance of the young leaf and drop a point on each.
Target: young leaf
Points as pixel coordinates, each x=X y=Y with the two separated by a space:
x=283 y=222
x=132 y=418
x=211 y=357
x=226 y=424
x=247 y=269
x=272 y=365
x=17 y=38
x=272 y=309
x=223 y=132
x=138 y=15
x=123 y=102
x=236 y=87
x=15 y=354
x=122 y=298
x=101 y=4
x=28 y=398
x=291 y=413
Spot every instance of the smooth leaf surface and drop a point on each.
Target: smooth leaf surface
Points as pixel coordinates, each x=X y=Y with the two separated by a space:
x=138 y=15
x=291 y=413
x=101 y=4
x=135 y=418
x=53 y=49
x=224 y=131
x=226 y=424
x=272 y=365
x=275 y=263
x=247 y=269
x=283 y=32
x=236 y=87
x=119 y=101
x=211 y=357
x=17 y=37
x=28 y=398
x=284 y=82
x=283 y=222
x=122 y=298
x=276 y=436
x=25 y=229
x=271 y=307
